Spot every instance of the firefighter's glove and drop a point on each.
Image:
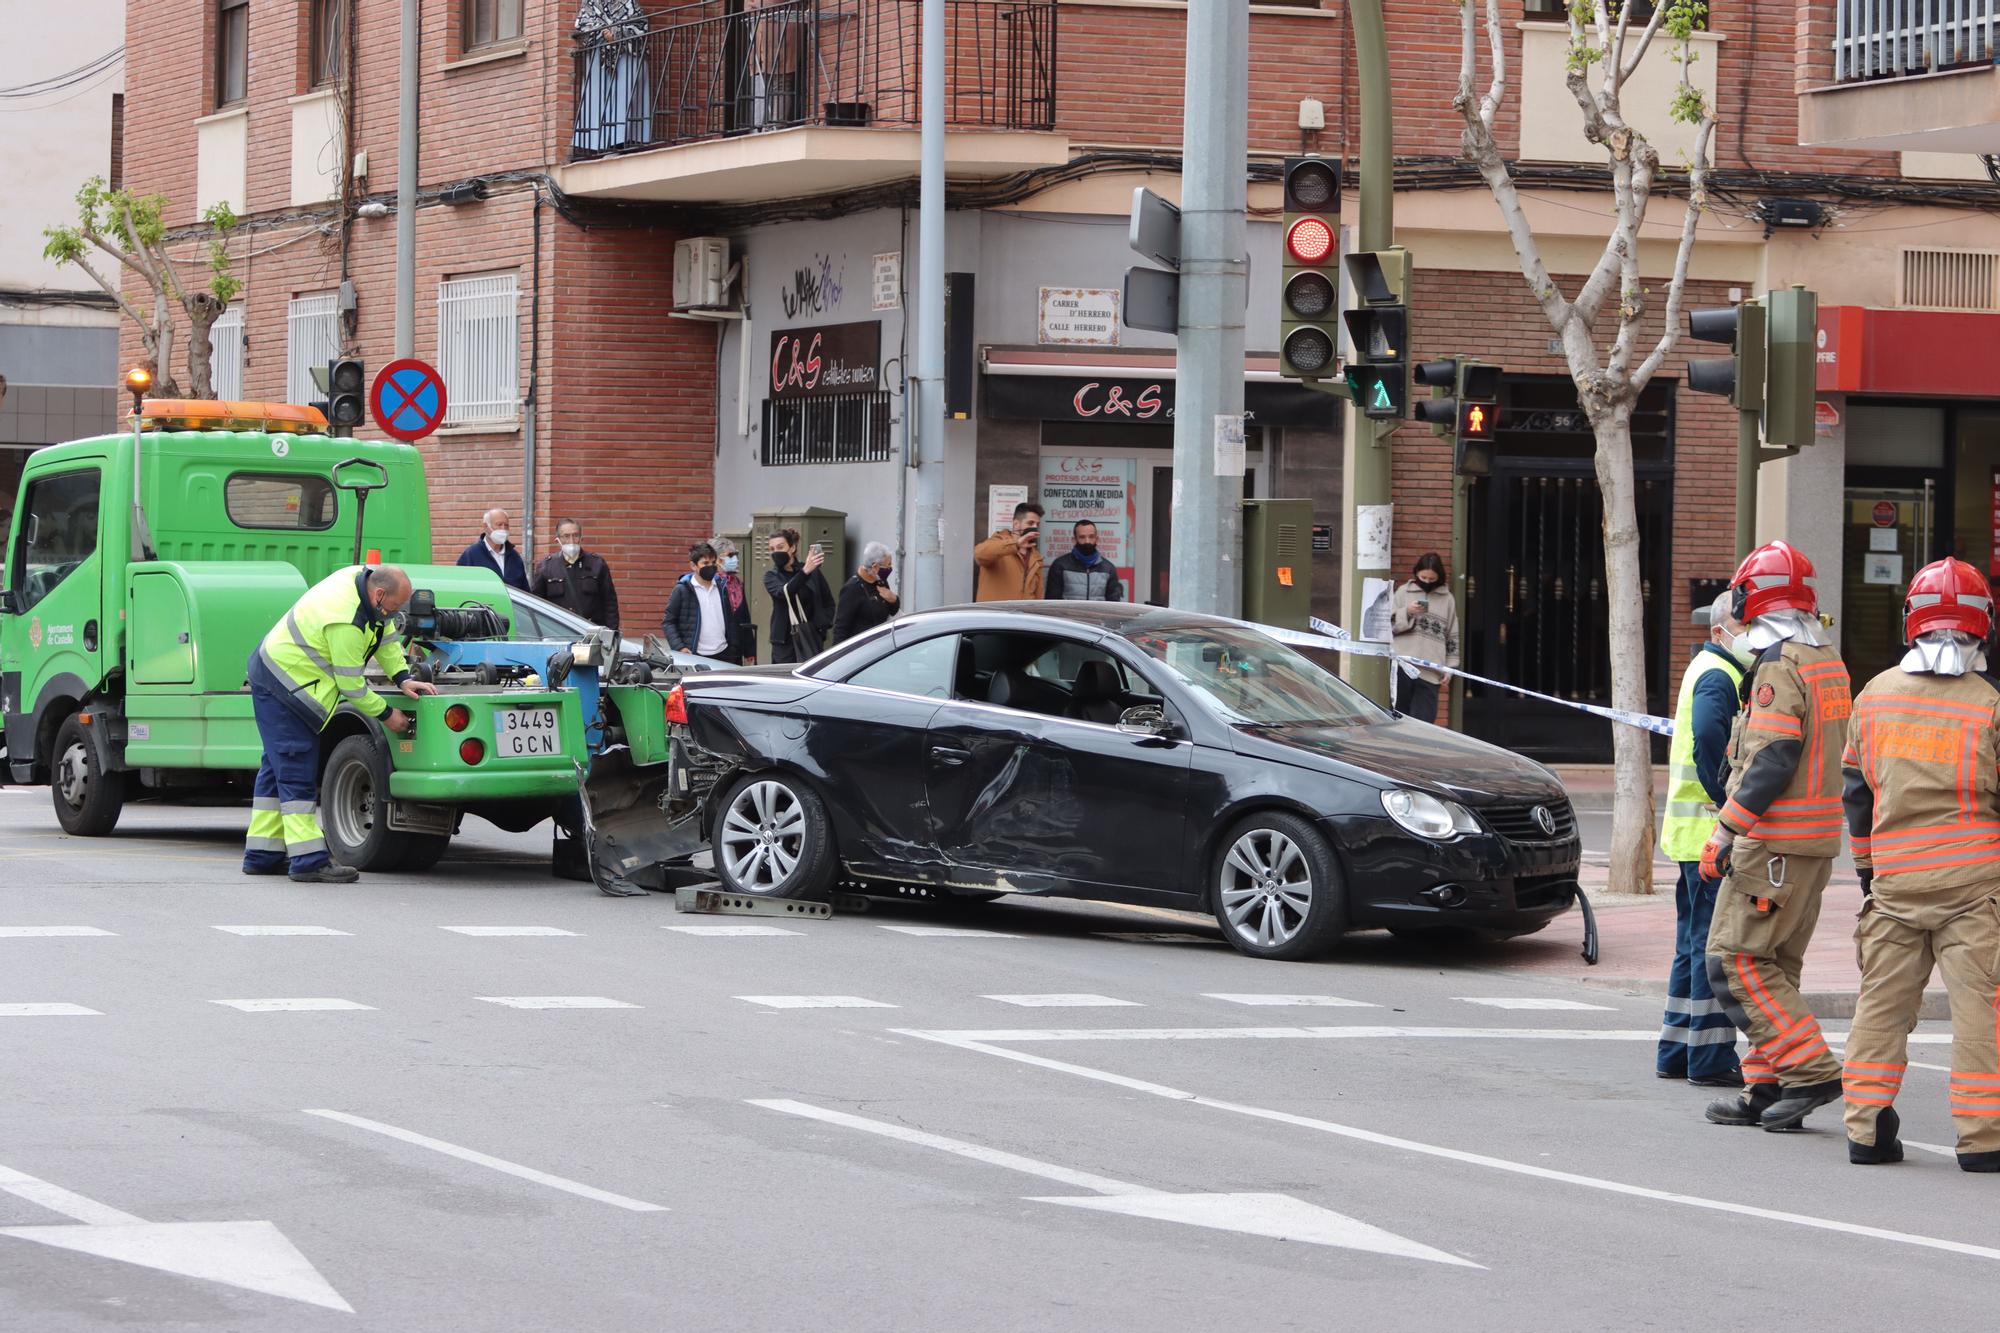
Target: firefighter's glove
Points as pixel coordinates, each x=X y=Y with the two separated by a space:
x=1715 y=853
x=1867 y=883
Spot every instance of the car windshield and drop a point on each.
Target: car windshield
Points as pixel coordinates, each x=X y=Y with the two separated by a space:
x=1251 y=679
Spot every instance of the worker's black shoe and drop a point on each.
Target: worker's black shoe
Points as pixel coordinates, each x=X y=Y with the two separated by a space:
x=1745 y=1110
x=1728 y=1078
x=1986 y=1163
x=1670 y=1073
x=329 y=873
x=277 y=869
x=1886 y=1148
x=1790 y=1110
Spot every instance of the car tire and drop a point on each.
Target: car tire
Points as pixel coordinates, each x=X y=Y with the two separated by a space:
x=89 y=796
x=1277 y=889
x=772 y=839
x=351 y=792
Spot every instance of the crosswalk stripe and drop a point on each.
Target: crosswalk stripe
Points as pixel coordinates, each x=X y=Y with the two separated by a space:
x=48 y=932
x=281 y=930
x=495 y=931
x=1065 y=1001
x=727 y=931
x=1532 y=1002
x=949 y=932
x=279 y=1006
x=814 y=1002
x=555 y=1001
x=46 y=1011
x=1315 y=1001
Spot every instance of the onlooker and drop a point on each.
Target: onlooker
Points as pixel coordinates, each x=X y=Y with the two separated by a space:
x=1697 y=1041
x=1010 y=563
x=801 y=603
x=866 y=600
x=1081 y=574
x=698 y=618
x=729 y=564
x=577 y=579
x=1423 y=623
x=493 y=551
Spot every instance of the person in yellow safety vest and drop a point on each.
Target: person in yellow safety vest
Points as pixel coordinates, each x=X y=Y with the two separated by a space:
x=310 y=665
x=1924 y=816
x=1697 y=1040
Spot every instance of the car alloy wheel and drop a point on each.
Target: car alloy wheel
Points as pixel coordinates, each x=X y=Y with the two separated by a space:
x=763 y=836
x=1266 y=889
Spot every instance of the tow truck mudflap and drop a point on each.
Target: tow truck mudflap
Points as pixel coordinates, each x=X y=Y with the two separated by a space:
x=642 y=825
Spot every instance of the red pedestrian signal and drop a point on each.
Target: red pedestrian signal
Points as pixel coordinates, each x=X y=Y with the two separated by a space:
x=1475 y=421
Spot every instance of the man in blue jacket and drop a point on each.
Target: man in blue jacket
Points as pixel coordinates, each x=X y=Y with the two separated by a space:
x=493 y=551
x=1697 y=1041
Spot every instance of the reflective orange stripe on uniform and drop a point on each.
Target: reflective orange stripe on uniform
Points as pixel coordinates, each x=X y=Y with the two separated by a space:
x=1782 y=724
x=1870 y=1084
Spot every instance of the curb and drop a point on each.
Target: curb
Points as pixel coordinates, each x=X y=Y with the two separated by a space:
x=1823 y=1003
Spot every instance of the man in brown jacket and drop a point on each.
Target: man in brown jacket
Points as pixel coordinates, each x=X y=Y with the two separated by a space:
x=1775 y=840
x=1010 y=561
x=1924 y=816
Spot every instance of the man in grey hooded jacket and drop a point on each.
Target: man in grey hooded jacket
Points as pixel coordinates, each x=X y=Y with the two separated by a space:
x=1081 y=574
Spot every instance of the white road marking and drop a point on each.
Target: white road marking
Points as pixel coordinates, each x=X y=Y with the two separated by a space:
x=281 y=930
x=1532 y=1002
x=48 y=932
x=1277 y=1216
x=494 y=1163
x=1314 y=1001
x=1942 y=1069
x=46 y=1011
x=1937 y=1148
x=1065 y=1001
x=555 y=1001
x=731 y=930
x=814 y=1002
x=484 y=931
x=290 y=1006
x=1014 y=1035
x=949 y=932
x=1458 y=1155
x=1157 y=937
x=254 y=1256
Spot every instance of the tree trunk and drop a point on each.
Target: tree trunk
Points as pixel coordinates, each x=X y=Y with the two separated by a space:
x=1632 y=829
x=203 y=310
x=164 y=383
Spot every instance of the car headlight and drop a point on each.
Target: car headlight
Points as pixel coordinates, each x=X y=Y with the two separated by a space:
x=1427 y=816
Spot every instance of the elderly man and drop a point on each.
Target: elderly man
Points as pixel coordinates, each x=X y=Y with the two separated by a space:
x=577 y=579
x=1697 y=1041
x=308 y=666
x=866 y=600
x=493 y=551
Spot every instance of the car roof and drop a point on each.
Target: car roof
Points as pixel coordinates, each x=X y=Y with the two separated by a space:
x=1122 y=618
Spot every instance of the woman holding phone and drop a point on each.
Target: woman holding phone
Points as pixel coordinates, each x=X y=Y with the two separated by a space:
x=1424 y=624
x=801 y=603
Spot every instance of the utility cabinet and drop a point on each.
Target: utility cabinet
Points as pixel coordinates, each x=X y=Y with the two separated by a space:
x=1277 y=563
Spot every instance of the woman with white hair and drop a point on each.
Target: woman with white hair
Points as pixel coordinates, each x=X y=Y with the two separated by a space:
x=866 y=600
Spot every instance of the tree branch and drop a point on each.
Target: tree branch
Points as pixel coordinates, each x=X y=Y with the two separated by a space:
x=1628 y=68
x=111 y=289
x=1697 y=203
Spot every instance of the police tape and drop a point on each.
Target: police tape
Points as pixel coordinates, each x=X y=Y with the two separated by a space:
x=1332 y=636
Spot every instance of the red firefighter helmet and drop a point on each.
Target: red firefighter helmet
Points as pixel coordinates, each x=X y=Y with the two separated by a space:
x=1948 y=595
x=1774 y=577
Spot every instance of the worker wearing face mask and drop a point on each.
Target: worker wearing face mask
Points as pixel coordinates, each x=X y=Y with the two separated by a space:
x=1697 y=1040
x=577 y=579
x=1082 y=573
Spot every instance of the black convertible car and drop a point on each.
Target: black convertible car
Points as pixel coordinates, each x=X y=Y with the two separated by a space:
x=1126 y=753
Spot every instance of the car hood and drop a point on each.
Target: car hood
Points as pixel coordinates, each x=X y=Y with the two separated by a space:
x=1403 y=752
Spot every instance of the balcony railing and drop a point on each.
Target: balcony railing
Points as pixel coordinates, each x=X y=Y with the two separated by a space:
x=1891 y=39
x=734 y=67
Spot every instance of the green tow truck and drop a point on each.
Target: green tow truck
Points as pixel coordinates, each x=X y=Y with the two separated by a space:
x=144 y=568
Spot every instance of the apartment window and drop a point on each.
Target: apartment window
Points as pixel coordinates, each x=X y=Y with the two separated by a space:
x=232 y=51
x=834 y=428
x=327 y=36
x=1558 y=10
x=479 y=347
x=490 y=21
x=312 y=338
x=225 y=354
x=117 y=141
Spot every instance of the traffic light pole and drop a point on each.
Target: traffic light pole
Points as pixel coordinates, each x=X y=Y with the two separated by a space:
x=1367 y=531
x=1206 y=570
x=1748 y=455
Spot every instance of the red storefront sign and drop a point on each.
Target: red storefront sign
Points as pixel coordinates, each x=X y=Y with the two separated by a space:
x=1922 y=353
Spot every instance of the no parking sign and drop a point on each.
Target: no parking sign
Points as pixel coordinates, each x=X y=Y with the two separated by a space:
x=407 y=400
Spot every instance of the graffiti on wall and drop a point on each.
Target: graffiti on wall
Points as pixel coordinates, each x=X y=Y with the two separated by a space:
x=816 y=288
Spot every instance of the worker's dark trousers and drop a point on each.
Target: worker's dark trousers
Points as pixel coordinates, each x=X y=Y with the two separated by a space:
x=1697 y=1040
x=284 y=816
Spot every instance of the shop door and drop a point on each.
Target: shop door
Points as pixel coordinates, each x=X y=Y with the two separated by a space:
x=1888 y=537
x=1156 y=589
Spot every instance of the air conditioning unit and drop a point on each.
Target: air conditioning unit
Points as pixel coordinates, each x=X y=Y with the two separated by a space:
x=701 y=273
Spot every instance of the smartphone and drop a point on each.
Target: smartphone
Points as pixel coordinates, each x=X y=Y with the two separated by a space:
x=814 y=550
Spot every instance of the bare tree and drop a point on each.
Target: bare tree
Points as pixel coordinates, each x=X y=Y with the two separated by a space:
x=1605 y=49
x=130 y=230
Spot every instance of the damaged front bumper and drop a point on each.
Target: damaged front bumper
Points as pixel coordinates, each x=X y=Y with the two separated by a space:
x=643 y=825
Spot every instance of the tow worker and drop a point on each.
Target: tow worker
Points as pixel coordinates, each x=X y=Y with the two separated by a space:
x=1775 y=840
x=1924 y=817
x=309 y=665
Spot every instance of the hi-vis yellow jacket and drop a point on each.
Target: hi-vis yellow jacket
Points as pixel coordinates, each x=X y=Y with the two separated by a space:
x=318 y=651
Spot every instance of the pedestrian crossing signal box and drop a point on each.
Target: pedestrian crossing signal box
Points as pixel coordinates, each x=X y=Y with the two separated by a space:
x=1378 y=375
x=1277 y=563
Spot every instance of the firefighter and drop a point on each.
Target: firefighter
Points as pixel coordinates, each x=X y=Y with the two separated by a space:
x=1775 y=840
x=309 y=665
x=1924 y=816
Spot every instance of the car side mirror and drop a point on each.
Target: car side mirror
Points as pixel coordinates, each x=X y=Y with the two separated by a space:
x=1147 y=720
x=10 y=602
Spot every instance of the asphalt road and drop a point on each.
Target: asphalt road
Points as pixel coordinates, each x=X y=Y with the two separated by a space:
x=1150 y=1133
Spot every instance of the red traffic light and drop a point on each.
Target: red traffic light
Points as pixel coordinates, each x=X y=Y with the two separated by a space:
x=1477 y=420
x=1310 y=241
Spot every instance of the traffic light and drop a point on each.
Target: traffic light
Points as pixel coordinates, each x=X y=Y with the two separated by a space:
x=1791 y=367
x=1309 y=302
x=346 y=382
x=1379 y=374
x=1741 y=378
x=1464 y=405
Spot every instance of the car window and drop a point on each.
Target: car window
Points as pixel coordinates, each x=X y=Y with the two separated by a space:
x=283 y=503
x=1062 y=662
x=923 y=669
x=58 y=533
x=1252 y=679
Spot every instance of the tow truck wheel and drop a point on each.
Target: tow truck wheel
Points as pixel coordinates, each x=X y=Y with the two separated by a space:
x=88 y=795
x=424 y=851
x=352 y=808
x=774 y=839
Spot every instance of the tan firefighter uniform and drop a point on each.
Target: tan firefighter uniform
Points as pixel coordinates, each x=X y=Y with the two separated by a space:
x=1784 y=807
x=1923 y=808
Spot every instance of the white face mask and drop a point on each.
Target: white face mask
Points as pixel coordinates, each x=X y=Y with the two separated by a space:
x=498 y=537
x=571 y=550
x=1738 y=647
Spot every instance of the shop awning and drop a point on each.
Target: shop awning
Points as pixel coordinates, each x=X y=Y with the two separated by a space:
x=1919 y=353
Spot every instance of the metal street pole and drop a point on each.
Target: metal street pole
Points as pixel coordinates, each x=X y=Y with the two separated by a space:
x=1207 y=570
x=1747 y=458
x=406 y=184
x=1370 y=513
x=928 y=587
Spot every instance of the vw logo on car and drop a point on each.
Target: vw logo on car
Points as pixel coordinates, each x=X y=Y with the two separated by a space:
x=1544 y=821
